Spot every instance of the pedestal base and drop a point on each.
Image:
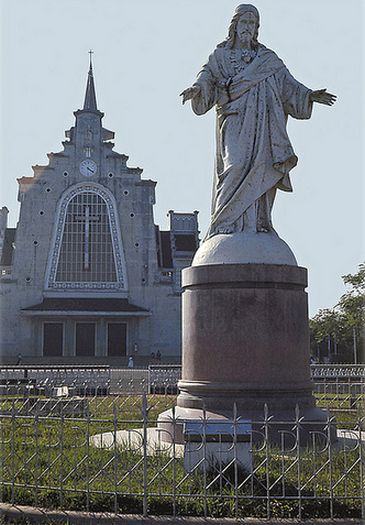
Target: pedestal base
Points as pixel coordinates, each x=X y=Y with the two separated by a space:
x=246 y=343
x=245 y=338
x=285 y=428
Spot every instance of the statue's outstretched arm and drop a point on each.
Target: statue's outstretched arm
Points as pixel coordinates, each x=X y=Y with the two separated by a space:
x=322 y=97
x=190 y=93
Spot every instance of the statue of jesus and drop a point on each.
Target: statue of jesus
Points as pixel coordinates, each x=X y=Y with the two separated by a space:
x=253 y=93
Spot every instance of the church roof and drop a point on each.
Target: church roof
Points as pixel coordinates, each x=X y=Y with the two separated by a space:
x=91 y=305
x=90 y=95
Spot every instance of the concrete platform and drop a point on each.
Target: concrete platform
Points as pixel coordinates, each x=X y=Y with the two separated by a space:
x=133 y=439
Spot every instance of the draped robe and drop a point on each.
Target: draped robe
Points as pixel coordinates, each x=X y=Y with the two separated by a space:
x=254 y=154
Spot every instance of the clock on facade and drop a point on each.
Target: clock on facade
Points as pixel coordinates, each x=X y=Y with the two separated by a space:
x=88 y=168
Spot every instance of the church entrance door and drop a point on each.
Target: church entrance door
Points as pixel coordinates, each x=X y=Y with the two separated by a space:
x=117 y=339
x=52 y=339
x=85 y=339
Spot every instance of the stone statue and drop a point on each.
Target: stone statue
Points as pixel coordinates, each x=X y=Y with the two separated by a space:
x=254 y=93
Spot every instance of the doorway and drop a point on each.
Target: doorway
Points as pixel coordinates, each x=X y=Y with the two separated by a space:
x=117 y=339
x=52 y=339
x=85 y=339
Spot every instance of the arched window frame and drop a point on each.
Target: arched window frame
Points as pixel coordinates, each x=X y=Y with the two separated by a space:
x=121 y=283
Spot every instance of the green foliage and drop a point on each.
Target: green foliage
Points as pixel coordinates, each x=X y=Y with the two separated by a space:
x=343 y=325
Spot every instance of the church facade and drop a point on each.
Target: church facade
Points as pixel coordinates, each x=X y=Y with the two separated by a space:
x=87 y=276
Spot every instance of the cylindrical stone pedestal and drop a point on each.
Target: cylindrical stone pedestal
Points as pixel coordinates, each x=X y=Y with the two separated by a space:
x=246 y=343
x=245 y=337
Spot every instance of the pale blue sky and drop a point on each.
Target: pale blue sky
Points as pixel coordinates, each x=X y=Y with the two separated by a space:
x=145 y=53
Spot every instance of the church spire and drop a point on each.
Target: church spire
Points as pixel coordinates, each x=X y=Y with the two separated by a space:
x=90 y=95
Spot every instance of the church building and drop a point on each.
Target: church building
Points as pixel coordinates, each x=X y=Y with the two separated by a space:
x=87 y=276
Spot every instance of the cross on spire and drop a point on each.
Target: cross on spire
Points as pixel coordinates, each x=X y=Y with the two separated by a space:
x=91 y=52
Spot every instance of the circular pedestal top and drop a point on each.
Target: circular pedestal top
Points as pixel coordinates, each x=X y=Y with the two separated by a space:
x=244 y=248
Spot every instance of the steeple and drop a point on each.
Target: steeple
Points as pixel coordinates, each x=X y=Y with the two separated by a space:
x=88 y=133
x=90 y=95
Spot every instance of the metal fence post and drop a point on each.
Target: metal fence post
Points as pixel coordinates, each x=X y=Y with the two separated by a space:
x=267 y=457
x=235 y=460
x=88 y=459
x=13 y=452
x=145 y=457
x=2 y=461
x=36 y=455
x=61 y=443
x=174 y=460
x=205 y=459
x=297 y=437
x=115 y=457
x=360 y=425
x=330 y=450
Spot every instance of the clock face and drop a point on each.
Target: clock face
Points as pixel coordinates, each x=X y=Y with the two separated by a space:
x=88 y=168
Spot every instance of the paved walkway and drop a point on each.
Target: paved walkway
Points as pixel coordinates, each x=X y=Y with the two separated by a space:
x=36 y=515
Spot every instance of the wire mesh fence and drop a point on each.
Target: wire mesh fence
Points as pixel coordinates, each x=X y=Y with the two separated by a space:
x=90 y=380
x=76 y=446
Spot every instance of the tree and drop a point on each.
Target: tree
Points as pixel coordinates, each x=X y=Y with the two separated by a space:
x=338 y=332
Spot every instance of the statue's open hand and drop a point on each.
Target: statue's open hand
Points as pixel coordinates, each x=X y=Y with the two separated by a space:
x=189 y=93
x=322 y=97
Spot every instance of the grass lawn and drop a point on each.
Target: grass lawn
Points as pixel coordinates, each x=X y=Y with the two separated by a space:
x=48 y=462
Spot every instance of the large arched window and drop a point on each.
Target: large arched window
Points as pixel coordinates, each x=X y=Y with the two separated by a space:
x=87 y=252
